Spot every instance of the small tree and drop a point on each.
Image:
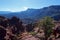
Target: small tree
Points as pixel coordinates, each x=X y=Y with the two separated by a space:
x=47 y=25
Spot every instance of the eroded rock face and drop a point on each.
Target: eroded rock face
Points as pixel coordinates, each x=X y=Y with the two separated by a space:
x=27 y=36
x=2 y=33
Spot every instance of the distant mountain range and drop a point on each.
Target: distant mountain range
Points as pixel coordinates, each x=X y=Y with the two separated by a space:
x=31 y=15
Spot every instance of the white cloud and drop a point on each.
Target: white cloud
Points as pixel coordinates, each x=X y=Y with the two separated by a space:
x=15 y=9
x=25 y=8
x=12 y=10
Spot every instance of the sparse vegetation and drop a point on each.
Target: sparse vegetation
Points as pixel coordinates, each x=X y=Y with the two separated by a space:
x=14 y=28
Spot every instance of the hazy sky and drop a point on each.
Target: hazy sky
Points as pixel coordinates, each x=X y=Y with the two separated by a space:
x=19 y=5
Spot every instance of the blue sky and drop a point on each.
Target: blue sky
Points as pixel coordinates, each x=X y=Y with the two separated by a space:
x=20 y=5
